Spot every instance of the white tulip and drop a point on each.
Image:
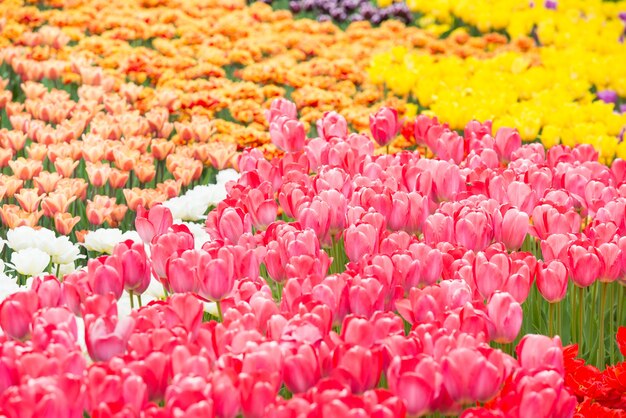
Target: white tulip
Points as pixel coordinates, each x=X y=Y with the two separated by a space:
x=30 y=261
x=227 y=175
x=21 y=238
x=103 y=240
x=63 y=251
x=186 y=208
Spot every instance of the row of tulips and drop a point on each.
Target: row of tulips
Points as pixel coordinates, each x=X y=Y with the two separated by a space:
x=336 y=281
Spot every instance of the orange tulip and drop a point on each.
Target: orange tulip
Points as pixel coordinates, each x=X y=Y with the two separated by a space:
x=46 y=182
x=25 y=169
x=98 y=173
x=161 y=148
x=15 y=139
x=12 y=185
x=134 y=198
x=93 y=153
x=6 y=154
x=65 y=166
x=29 y=199
x=55 y=203
x=37 y=151
x=99 y=209
x=118 y=178
x=170 y=188
x=125 y=159
x=145 y=172
x=221 y=154
x=65 y=222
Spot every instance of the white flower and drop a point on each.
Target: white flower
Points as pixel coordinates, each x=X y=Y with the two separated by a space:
x=227 y=175
x=131 y=235
x=21 y=238
x=67 y=269
x=103 y=240
x=187 y=209
x=63 y=251
x=30 y=261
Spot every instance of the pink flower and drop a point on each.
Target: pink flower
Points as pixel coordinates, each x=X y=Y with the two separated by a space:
x=155 y=221
x=384 y=125
x=106 y=337
x=288 y=134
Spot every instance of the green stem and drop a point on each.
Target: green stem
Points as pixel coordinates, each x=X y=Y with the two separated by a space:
x=132 y=301
x=601 y=346
x=139 y=301
x=551 y=320
x=219 y=311
x=581 y=300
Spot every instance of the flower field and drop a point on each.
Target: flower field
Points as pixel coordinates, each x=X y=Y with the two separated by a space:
x=307 y=208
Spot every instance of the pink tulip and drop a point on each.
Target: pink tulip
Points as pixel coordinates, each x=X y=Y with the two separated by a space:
x=332 y=125
x=417 y=381
x=384 y=125
x=261 y=204
x=585 y=265
x=184 y=272
x=552 y=280
x=106 y=275
x=515 y=226
x=257 y=391
x=165 y=246
x=219 y=276
x=506 y=315
x=301 y=370
x=507 y=140
x=107 y=337
x=155 y=221
x=549 y=220
x=359 y=367
x=135 y=267
x=408 y=211
x=228 y=223
x=281 y=107
x=539 y=352
x=48 y=290
x=473 y=230
x=610 y=256
x=359 y=240
x=438 y=227
x=470 y=375
x=16 y=313
x=287 y=134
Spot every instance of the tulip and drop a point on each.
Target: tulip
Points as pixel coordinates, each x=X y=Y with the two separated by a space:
x=507 y=140
x=506 y=315
x=384 y=125
x=470 y=376
x=30 y=261
x=301 y=369
x=417 y=381
x=360 y=240
x=539 y=352
x=515 y=226
x=332 y=125
x=105 y=275
x=219 y=278
x=16 y=313
x=287 y=134
x=155 y=221
x=107 y=337
x=359 y=367
x=585 y=266
x=281 y=107
x=135 y=268
x=552 y=280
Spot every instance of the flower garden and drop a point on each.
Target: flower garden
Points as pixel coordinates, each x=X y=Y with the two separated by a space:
x=312 y=208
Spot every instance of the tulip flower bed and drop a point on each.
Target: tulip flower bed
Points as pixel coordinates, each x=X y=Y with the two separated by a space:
x=180 y=240
x=569 y=90
x=340 y=281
